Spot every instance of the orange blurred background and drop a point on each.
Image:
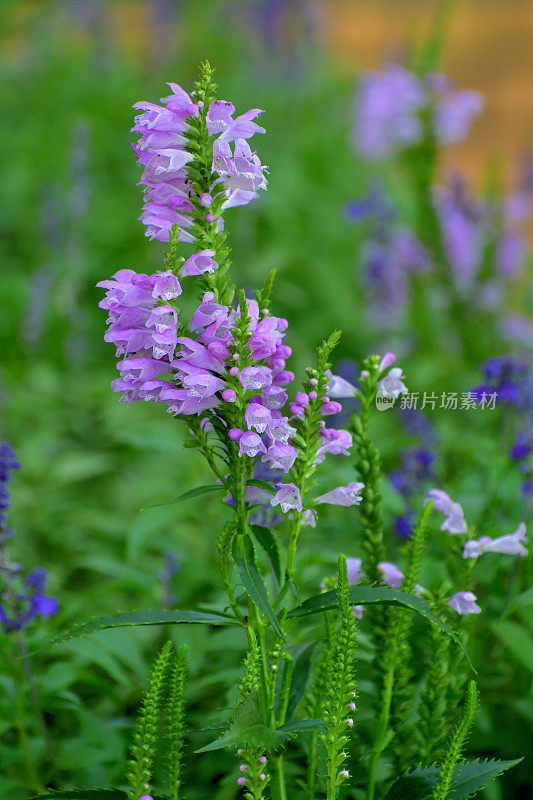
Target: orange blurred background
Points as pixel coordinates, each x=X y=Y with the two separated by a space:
x=489 y=47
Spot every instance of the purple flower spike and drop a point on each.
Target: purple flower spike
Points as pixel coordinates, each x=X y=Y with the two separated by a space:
x=343 y=495
x=288 y=497
x=464 y=603
x=250 y=444
x=392 y=576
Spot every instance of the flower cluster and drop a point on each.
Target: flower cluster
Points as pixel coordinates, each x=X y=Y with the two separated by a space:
x=23 y=598
x=391 y=105
x=163 y=150
x=143 y=327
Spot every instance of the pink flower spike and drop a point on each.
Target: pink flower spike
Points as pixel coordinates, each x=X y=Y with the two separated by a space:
x=241 y=781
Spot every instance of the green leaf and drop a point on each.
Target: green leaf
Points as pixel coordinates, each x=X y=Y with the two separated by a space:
x=212 y=487
x=302 y=726
x=244 y=556
x=469 y=777
x=364 y=595
x=163 y=617
x=261 y=485
x=269 y=543
x=300 y=677
x=521 y=601
x=517 y=639
x=249 y=728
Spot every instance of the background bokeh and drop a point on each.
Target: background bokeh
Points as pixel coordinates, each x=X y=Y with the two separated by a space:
x=69 y=74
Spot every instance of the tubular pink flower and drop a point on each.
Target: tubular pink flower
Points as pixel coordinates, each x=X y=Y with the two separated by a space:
x=288 y=497
x=464 y=603
x=343 y=495
x=392 y=576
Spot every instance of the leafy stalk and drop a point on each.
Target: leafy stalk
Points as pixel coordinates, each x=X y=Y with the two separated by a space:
x=307 y=439
x=396 y=651
x=144 y=738
x=457 y=744
x=368 y=469
x=340 y=687
x=177 y=672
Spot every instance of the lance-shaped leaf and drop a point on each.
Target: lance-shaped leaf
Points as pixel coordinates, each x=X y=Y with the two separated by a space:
x=300 y=677
x=365 y=595
x=269 y=543
x=469 y=777
x=244 y=556
x=303 y=726
x=160 y=617
x=212 y=487
x=261 y=485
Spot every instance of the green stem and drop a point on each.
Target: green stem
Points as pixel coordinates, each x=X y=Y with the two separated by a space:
x=35 y=698
x=383 y=725
x=279 y=789
x=291 y=554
